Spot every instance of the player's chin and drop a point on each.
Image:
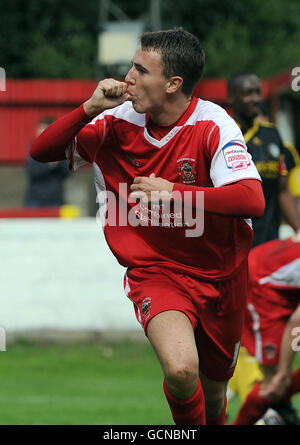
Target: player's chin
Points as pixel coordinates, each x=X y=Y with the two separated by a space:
x=254 y=112
x=137 y=106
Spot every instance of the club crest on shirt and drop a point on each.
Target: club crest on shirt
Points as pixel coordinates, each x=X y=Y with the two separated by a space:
x=186 y=167
x=146 y=306
x=236 y=156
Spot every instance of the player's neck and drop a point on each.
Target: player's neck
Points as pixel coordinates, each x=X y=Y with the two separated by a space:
x=171 y=111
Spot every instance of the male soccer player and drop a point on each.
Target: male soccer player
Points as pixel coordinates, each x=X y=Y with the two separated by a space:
x=148 y=136
x=271 y=331
x=272 y=158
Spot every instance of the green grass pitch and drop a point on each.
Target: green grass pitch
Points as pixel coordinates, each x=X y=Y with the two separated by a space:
x=85 y=384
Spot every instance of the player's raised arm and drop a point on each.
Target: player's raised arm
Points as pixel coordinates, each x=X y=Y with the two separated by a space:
x=52 y=143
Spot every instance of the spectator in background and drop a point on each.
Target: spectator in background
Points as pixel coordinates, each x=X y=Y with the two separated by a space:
x=45 y=180
x=272 y=157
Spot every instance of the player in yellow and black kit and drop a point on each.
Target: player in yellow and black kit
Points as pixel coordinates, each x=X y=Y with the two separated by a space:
x=274 y=160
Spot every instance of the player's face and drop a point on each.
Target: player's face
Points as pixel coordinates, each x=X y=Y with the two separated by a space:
x=248 y=98
x=146 y=82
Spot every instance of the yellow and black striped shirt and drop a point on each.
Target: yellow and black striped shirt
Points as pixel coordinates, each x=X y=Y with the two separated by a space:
x=272 y=158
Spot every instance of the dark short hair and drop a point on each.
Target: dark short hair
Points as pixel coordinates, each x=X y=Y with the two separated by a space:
x=47 y=120
x=233 y=81
x=181 y=53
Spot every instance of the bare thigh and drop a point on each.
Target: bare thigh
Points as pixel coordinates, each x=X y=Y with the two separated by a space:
x=172 y=337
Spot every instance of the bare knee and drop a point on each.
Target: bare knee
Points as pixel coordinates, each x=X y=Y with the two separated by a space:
x=182 y=379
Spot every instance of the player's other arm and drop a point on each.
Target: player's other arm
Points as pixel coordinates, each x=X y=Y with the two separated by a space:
x=244 y=198
x=52 y=143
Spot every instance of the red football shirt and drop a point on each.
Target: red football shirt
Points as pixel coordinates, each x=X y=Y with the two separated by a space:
x=204 y=148
x=274 y=294
x=276 y=265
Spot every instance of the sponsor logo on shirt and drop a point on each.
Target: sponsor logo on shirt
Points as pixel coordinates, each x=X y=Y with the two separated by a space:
x=160 y=209
x=186 y=167
x=236 y=156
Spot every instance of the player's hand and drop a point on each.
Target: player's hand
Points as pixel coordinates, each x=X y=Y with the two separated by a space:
x=151 y=189
x=277 y=387
x=109 y=94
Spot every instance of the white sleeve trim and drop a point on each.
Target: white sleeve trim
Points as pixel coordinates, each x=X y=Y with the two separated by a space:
x=288 y=275
x=74 y=157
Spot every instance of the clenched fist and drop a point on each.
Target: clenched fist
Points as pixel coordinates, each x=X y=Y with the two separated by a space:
x=109 y=94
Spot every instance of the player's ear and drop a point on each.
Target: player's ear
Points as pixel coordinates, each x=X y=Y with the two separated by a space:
x=174 y=83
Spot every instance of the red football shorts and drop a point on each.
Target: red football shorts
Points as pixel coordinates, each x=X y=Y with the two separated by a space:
x=216 y=311
x=268 y=311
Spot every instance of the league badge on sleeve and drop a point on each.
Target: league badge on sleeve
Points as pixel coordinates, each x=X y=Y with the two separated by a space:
x=236 y=156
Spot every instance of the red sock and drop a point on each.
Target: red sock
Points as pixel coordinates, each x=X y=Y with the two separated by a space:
x=253 y=408
x=220 y=419
x=190 y=411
